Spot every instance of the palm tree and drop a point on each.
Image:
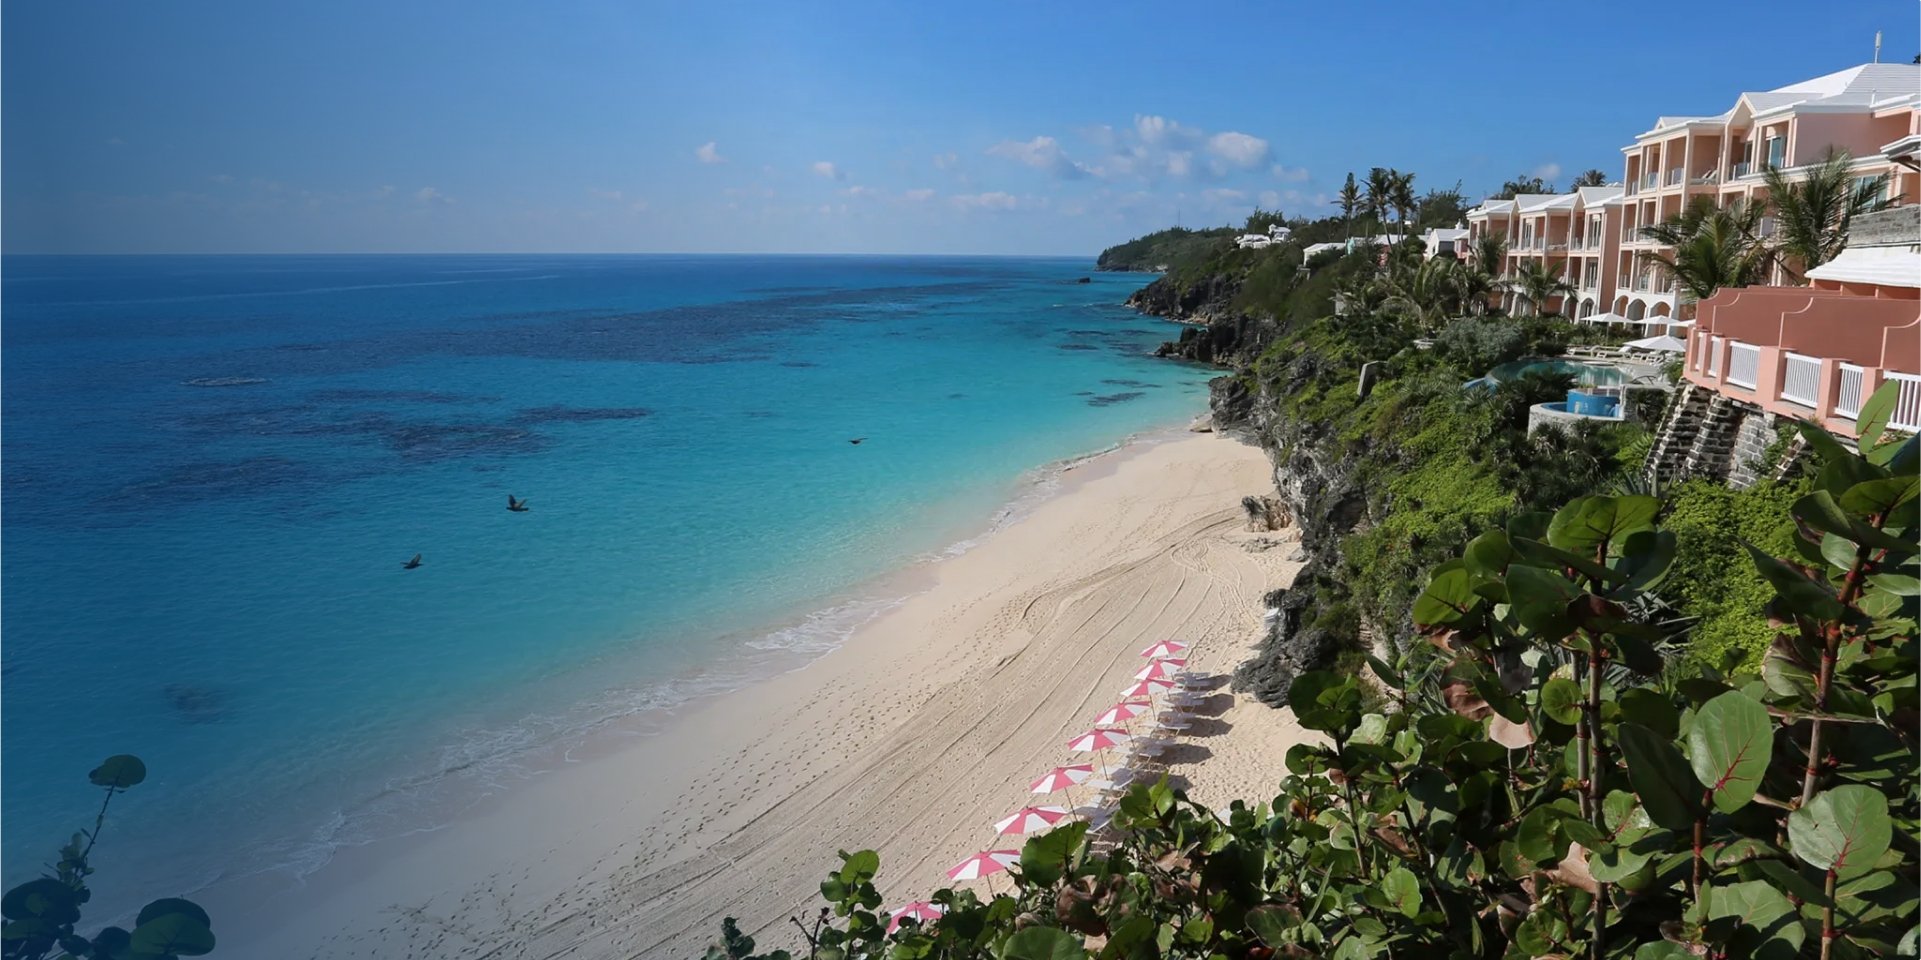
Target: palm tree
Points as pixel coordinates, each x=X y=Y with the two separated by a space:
x=1380 y=193
x=1523 y=184
x=1537 y=283
x=1589 y=178
x=1815 y=213
x=1712 y=247
x=1349 y=200
x=1428 y=294
x=1401 y=195
x=1472 y=287
x=1490 y=254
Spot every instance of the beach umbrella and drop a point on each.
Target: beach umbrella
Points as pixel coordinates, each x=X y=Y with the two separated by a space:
x=1166 y=648
x=1030 y=820
x=984 y=863
x=1060 y=778
x=1099 y=738
x=1147 y=688
x=1160 y=669
x=919 y=910
x=1121 y=712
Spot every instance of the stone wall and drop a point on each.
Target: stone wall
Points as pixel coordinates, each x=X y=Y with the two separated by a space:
x=1748 y=458
x=1892 y=227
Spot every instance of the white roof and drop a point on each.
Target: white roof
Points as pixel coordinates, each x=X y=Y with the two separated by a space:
x=1489 y=207
x=1314 y=248
x=1599 y=196
x=1445 y=233
x=1537 y=202
x=1866 y=86
x=1885 y=266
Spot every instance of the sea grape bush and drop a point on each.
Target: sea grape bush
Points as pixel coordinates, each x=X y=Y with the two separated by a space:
x=1550 y=783
x=40 y=915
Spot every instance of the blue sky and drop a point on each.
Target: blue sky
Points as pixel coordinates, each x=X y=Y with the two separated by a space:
x=1018 y=128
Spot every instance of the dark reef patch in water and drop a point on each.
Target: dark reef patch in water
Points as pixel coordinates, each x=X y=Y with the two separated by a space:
x=1075 y=346
x=1108 y=400
x=1139 y=384
x=359 y=395
x=193 y=704
x=224 y=381
x=563 y=414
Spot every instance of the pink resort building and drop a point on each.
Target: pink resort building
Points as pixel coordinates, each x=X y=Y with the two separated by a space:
x=1818 y=352
x=1593 y=235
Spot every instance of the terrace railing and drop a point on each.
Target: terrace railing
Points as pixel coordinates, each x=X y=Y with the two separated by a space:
x=1847 y=394
x=1677 y=176
x=1714 y=356
x=1744 y=363
x=1801 y=381
x=1742 y=169
x=1907 y=403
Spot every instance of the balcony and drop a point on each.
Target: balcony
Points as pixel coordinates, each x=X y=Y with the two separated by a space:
x=1594 y=241
x=1742 y=169
x=1801 y=380
x=1650 y=181
x=1744 y=364
x=1847 y=397
x=1557 y=248
x=1677 y=176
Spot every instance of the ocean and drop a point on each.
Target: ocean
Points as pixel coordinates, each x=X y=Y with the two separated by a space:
x=213 y=469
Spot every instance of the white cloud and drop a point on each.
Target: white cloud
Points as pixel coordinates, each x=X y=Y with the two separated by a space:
x=920 y=195
x=1223 y=197
x=1238 y=150
x=638 y=206
x=828 y=170
x=604 y=194
x=386 y=190
x=858 y=190
x=1282 y=171
x=1160 y=131
x=946 y=161
x=430 y=195
x=1547 y=171
x=709 y=152
x=1041 y=153
x=221 y=178
x=1270 y=200
x=1180 y=164
x=995 y=200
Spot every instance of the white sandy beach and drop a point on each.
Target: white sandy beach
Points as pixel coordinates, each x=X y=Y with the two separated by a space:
x=912 y=738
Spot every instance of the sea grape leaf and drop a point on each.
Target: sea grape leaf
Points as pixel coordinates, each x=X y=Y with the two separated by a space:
x=1800 y=594
x=1046 y=856
x=1872 y=419
x=1561 y=700
x=1043 y=943
x=1589 y=522
x=172 y=935
x=1403 y=891
x=1730 y=744
x=1661 y=778
x=1878 y=497
x=119 y=772
x=1845 y=830
x=1489 y=554
x=1646 y=558
x=1651 y=709
x=1772 y=931
x=1449 y=595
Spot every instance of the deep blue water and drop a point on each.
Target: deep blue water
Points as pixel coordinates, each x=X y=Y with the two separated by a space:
x=215 y=466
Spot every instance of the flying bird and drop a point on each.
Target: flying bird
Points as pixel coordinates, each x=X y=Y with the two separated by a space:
x=409 y=565
x=517 y=506
x=856 y=441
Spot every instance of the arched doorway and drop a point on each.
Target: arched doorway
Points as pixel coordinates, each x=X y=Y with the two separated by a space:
x=1621 y=306
x=1637 y=310
x=1587 y=308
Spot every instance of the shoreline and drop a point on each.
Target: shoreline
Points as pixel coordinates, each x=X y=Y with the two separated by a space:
x=383 y=895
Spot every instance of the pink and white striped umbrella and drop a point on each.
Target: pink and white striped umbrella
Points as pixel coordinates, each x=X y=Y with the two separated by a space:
x=1060 y=778
x=1147 y=688
x=1122 y=712
x=1164 y=649
x=1030 y=820
x=1099 y=738
x=919 y=910
x=1160 y=669
x=984 y=863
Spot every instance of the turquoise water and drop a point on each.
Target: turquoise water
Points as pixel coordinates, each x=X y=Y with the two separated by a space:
x=215 y=466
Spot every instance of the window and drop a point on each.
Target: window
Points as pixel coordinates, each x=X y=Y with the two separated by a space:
x=1777 y=151
x=1872 y=186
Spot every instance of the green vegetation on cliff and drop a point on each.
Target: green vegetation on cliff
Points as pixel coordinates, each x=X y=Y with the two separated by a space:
x=1167 y=249
x=1549 y=778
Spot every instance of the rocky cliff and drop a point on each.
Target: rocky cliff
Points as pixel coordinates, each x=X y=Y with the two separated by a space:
x=1325 y=503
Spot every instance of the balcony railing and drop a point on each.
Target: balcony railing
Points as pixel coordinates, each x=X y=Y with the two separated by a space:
x=1743 y=168
x=1744 y=363
x=1650 y=180
x=1767 y=227
x=1907 y=403
x=1594 y=241
x=1801 y=382
x=1677 y=176
x=1847 y=395
x=1714 y=356
x=1557 y=248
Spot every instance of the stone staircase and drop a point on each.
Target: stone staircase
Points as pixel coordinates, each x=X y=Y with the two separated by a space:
x=1674 y=438
x=1712 y=453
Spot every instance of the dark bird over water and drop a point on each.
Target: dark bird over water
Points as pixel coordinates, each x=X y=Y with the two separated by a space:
x=409 y=565
x=856 y=441
x=517 y=506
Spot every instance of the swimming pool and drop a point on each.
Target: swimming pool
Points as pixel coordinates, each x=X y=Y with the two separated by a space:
x=1585 y=374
